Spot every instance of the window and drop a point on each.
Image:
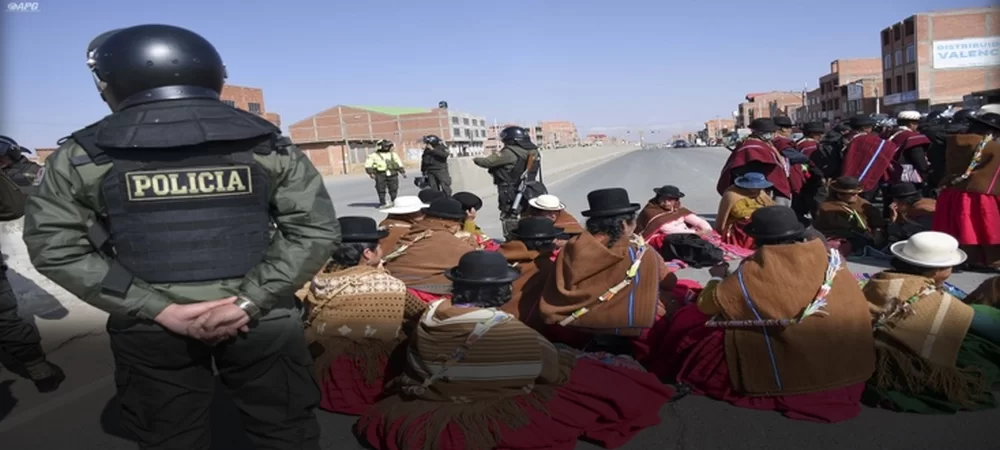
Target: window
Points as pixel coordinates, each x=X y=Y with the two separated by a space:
x=885 y=37
x=254 y=107
x=908 y=26
x=465 y=121
x=454 y=120
x=911 y=53
x=899 y=83
x=887 y=62
x=896 y=33
x=888 y=86
x=457 y=132
x=231 y=103
x=899 y=57
x=911 y=81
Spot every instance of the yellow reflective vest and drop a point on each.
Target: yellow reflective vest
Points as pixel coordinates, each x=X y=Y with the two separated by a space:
x=387 y=163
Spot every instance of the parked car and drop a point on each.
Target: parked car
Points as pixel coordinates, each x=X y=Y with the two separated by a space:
x=680 y=144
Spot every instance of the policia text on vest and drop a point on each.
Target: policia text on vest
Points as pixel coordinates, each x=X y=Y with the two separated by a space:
x=189 y=183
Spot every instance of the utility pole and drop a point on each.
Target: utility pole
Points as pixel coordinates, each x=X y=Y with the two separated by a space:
x=878 y=102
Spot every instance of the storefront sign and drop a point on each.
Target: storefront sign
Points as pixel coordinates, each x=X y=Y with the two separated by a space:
x=855 y=91
x=901 y=97
x=972 y=52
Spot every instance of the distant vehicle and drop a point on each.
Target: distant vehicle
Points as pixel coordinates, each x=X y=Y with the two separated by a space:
x=680 y=143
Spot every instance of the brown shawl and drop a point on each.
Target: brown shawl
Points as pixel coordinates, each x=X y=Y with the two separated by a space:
x=524 y=365
x=586 y=268
x=985 y=178
x=652 y=217
x=398 y=226
x=535 y=270
x=822 y=352
x=568 y=223
x=834 y=218
x=920 y=330
x=423 y=264
x=729 y=199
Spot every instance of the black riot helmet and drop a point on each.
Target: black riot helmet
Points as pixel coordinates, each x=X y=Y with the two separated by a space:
x=963 y=116
x=383 y=145
x=514 y=136
x=150 y=63
x=432 y=140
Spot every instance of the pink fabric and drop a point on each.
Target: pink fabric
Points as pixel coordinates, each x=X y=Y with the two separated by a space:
x=690 y=223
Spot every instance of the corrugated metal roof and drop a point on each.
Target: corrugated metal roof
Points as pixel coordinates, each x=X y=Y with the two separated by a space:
x=392 y=110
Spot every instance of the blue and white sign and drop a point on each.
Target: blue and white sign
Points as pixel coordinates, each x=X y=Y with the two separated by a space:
x=972 y=52
x=902 y=97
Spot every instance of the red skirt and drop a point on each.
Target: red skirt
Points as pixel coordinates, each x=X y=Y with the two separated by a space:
x=973 y=219
x=699 y=360
x=736 y=236
x=427 y=297
x=345 y=390
x=606 y=404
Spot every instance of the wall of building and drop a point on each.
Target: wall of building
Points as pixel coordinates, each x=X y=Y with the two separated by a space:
x=718 y=128
x=248 y=99
x=765 y=105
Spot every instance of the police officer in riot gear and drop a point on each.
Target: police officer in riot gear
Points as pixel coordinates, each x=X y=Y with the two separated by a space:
x=384 y=166
x=19 y=338
x=192 y=224
x=515 y=167
x=434 y=164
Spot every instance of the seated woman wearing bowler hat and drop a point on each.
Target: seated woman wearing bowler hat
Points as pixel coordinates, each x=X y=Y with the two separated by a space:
x=935 y=353
x=608 y=287
x=746 y=195
x=788 y=332
x=909 y=213
x=470 y=231
x=422 y=256
x=404 y=212
x=679 y=234
x=550 y=207
x=530 y=250
x=477 y=378
x=849 y=222
x=357 y=315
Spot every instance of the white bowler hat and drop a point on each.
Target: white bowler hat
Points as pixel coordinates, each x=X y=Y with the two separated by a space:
x=908 y=115
x=931 y=249
x=547 y=202
x=407 y=204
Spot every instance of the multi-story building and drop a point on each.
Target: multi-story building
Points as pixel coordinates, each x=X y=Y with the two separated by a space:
x=718 y=128
x=766 y=104
x=810 y=111
x=248 y=99
x=932 y=60
x=833 y=96
x=862 y=96
x=337 y=140
x=545 y=134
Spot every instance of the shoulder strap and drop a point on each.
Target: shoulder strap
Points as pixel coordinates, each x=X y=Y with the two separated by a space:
x=630 y=275
x=87 y=139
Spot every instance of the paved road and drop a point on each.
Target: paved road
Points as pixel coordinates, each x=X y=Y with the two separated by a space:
x=81 y=416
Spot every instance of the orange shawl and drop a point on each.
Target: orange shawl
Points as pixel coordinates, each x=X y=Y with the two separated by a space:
x=423 y=264
x=568 y=223
x=398 y=227
x=652 y=217
x=535 y=269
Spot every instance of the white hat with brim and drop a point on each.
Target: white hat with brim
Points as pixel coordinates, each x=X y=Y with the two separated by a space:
x=407 y=204
x=908 y=115
x=930 y=249
x=547 y=202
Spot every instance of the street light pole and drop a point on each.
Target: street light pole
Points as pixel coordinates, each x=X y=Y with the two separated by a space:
x=878 y=102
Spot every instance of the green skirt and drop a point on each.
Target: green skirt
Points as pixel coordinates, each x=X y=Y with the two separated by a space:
x=975 y=352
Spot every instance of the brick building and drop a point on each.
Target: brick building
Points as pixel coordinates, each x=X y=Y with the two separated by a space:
x=862 y=97
x=766 y=104
x=545 y=134
x=832 y=86
x=337 y=140
x=248 y=99
x=932 y=60
x=718 y=128
x=810 y=111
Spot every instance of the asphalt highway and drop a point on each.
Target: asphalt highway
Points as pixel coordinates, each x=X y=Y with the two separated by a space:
x=81 y=414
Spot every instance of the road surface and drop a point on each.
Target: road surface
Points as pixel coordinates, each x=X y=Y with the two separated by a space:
x=81 y=415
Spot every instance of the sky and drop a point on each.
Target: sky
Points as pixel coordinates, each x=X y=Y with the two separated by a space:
x=605 y=65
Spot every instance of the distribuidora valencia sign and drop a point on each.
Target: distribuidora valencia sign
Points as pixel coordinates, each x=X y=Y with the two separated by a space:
x=966 y=53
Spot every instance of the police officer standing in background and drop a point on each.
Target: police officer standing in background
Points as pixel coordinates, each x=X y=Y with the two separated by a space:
x=507 y=167
x=192 y=224
x=385 y=167
x=18 y=338
x=434 y=164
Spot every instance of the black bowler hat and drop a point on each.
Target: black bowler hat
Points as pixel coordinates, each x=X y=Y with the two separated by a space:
x=609 y=202
x=536 y=228
x=900 y=190
x=468 y=200
x=482 y=268
x=445 y=208
x=991 y=120
x=429 y=195
x=846 y=184
x=763 y=126
x=360 y=229
x=782 y=122
x=774 y=222
x=813 y=128
x=861 y=121
x=669 y=191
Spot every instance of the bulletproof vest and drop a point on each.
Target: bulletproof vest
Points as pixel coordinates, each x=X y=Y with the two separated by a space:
x=184 y=214
x=511 y=174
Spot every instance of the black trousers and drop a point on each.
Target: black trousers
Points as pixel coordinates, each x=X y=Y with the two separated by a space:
x=509 y=213
x=18 y=338
x=439 y=180
x=385 y=183
x=165 y=384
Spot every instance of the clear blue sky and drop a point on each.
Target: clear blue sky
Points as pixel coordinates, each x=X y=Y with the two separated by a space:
x=598 y=63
